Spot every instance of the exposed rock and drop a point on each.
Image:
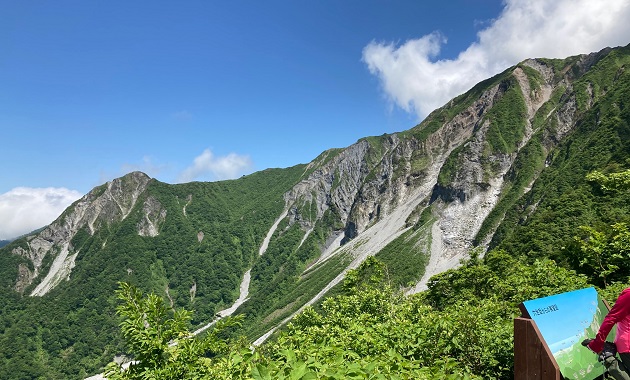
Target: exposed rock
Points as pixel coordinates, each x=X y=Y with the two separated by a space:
x=153 y=216
x=188 y=200
x=371 y=179
x=24 y=279
x=102 y=206
x=60 y=270
x=193 y=291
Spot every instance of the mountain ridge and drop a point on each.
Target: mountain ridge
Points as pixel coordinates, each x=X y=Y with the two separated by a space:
x=420 y=199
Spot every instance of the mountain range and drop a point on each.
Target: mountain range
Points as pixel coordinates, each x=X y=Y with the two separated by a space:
x=500 y=167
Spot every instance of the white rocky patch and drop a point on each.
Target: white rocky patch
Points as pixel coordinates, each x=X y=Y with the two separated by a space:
x=59 y=271
x=153 y=216
x=265 y=243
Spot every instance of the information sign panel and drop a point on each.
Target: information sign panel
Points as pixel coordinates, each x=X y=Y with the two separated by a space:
x=564 y=321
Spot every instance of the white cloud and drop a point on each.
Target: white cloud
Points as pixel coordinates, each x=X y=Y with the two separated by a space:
x=415 y=79
x=25 y=209
x=207 y=166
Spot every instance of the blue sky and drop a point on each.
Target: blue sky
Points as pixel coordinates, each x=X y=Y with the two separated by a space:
x=203 y=90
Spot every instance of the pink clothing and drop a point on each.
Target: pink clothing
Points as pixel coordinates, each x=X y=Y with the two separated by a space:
x=620 y=315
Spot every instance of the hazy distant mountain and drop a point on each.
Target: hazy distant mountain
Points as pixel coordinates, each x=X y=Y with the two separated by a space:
x=502 y=165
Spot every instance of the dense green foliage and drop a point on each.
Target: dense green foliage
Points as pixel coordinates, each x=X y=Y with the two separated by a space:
x=461 y=328
x=604 y=255
x=159 y=338
x=453 y=162
x=508 y=118
x=544 y=221
x=406 y=256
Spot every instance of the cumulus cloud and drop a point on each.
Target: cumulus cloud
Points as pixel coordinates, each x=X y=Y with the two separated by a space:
x=414 y=78
x=25 y=209
x=207 y=166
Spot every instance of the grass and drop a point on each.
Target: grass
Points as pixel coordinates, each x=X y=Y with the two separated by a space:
x=305 y=288
x=407 y=256
x=508 y=118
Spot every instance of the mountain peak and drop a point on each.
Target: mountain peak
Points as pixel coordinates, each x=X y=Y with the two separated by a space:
x=102 y=206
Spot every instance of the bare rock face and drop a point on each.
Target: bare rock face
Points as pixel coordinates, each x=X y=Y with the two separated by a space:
x=370 y=180
x=153 y=215
x=331 y=184
x=102 y=206
x=25 y=277
x=474 y=189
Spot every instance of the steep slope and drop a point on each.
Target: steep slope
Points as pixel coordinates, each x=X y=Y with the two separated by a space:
x=431 y=193
x=191 y=243
x=492 y=168
x=103 y=206
x=545 y=220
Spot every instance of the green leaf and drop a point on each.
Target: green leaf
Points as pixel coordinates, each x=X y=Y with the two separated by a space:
x=299 y=369
x=261 y=372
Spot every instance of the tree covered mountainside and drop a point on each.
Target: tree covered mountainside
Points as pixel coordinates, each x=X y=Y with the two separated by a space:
x=526 y=166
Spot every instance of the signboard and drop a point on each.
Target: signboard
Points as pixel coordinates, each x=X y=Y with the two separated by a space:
x=564 y=321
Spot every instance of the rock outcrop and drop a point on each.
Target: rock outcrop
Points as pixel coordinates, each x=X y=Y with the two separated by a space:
x=153 y=216
x=371 y=179
x=102 y=206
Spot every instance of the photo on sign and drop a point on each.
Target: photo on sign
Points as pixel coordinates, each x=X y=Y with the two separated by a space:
x=564 y=321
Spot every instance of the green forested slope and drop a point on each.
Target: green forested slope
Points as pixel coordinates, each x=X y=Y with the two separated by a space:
x=72 y=331
x=544 y=221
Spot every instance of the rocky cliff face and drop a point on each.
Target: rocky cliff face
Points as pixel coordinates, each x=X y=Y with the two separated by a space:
x=367 y=182
x=102 y=206
x=153 y=216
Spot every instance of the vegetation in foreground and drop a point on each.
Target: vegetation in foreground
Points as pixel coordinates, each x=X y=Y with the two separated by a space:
x=461 y=328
